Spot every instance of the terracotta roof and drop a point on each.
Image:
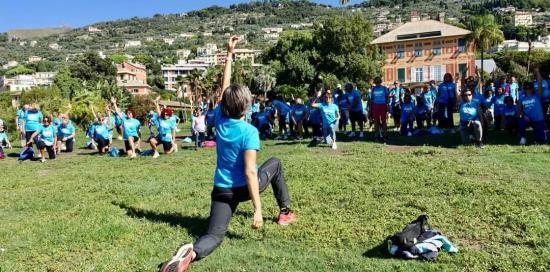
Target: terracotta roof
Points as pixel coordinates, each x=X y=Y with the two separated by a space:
x=418 y=27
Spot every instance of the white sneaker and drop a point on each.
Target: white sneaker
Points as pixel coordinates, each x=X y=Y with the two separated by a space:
x=42 y=160
x=133 y=156
x=119 y=138
x=156 y=155
x=522 y=141
x=361 y=135
x=409 y=134
x=351 y=134
x=334 y=147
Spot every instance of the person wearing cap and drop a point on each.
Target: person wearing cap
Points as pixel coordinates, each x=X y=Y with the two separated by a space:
x=166 y=130
x=45 y=138
x=396 y=98
x=299 y=115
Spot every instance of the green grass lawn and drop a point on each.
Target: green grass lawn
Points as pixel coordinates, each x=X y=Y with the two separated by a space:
x=84 y=212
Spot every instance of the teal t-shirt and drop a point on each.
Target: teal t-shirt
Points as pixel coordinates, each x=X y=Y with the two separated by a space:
x=33 y=120
x=329 y=113
x=131 y=127
x=100 y=130
x=47 y=134
x=468 y=111
x=234 y=137
x=66 y=131
x=165 y=127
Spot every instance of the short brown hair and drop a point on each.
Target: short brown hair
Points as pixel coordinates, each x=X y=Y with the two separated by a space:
x=236 y=101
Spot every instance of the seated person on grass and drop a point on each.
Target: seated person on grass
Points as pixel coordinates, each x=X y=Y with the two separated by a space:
x=46 y=135
x=236 y=179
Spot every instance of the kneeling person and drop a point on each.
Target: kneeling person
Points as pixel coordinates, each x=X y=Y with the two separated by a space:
x=46 y=134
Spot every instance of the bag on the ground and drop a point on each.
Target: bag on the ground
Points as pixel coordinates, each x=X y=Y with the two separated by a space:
x=417 y=241
x=149 y=152
x=187 y=140
x=209 y=144
x=114 y=152
x=26 y=154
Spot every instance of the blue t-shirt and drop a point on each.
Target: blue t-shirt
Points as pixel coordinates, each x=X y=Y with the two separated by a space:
x=510 y=113
x=343 y=101
x=314 y=116
x=468 y=111
x=67 y=131
x=545 y=89
x=20 y=116
x=407 y=111
x=3 y=136
x=329 y=113
x=281 y=106
x=497 y=102
x=118 y=119
x=165 y=127
x=56 y=122
x=478 y=98
x=234 y=137
x=211 y=118
x=396 y=94
x=33 y=120
x=532 y=107
x=420 y=110
x=354 y=99
x=47 y=134
x=379 y=94
x=428 y=99
x=299 y=112
x=262 y=119
x=131 y=128
x=99 y=130
x=446 y=92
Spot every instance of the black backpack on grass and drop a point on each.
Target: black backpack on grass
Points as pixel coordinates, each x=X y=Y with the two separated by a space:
x=411 y=234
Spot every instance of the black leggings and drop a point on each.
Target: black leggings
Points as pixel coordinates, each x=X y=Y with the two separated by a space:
x=225 y=202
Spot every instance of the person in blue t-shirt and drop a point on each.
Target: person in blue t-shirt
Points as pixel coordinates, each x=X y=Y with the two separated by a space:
x=514 y=89
x=498 y=104
x=446 y=101
x=262 y=122
x=19 y=119
x=433 y=91
x=487 y=106
x=166 y=127
x=396 y=98
x=344 y=105
x=356 y=115
x=428 y=97
x=407 y=115
x=237 y=178
x=130 y=129
x=66 y=134
x=99 y=132
x=4 y=139
x=45 y=137
x=510 y=116
x=210 y=121
x=379 y=100
x=32 y=122
x=331 y=115
x=422 y=114
x=470 y=119
x=282 y=111
x=530 y=111
x=314 y=120
x=544 y=98
x=299 y=115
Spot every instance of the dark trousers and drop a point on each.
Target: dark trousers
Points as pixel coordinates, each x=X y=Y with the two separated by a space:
x=315 y=129
x=199 y=139
x=282 y=125
x=28 y=135
x=49 y=148
x=538 y=130
x=445 y=114
x=499 y=119
x=210 y=132
x=225 y=202
x=101 y=143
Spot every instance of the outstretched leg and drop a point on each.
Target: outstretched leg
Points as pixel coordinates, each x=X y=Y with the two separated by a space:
x=271 y=172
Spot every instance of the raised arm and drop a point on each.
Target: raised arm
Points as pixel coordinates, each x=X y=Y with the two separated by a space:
x=539 y=80
x=157 y=107
x=233 y=40
x=117 y=109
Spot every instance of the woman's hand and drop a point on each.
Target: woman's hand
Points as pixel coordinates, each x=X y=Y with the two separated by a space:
x=258 y=220
x=232 y=43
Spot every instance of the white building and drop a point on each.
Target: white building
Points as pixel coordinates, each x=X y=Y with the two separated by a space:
x=168 y=41
x=523 y=18
x=208 y=49
x=514 y=45
x=171 y=72
x=183 y=54
x=187 y=35
x=54 y=46
x=209 y=59
x=129 y=44
x=33 y=43
x=272 y=29
x=33 y=59
x=26 y=82
x=10 y=64
x=92 y=29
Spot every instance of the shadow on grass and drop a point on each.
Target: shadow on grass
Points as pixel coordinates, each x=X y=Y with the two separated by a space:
x=378 y=252
x=195 y=226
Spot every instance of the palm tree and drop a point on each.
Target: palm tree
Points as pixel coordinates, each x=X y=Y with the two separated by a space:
x=485 y=33
x=343 y=3
x=265 y=78
x=195 y=84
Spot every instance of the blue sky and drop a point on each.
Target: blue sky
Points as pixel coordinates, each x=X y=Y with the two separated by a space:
x=75 y=13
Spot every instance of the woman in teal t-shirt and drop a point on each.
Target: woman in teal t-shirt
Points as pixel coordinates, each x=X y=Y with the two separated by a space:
x=130 y=129
x=46 y=138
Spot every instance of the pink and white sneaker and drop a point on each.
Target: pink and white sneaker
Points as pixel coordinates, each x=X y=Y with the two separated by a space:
x=180 y=261
x=285 y=219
